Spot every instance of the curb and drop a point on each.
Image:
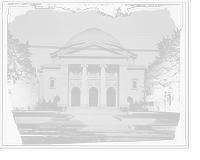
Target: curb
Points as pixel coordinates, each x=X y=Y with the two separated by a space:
x=118 y=118
x=62 y=118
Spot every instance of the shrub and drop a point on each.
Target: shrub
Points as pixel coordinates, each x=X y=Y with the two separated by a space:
x=129 y=99
x=51 y=106
x=136 y=107
x=56 y=99
x=46 y=106
x=133 y=107
x=43 y=105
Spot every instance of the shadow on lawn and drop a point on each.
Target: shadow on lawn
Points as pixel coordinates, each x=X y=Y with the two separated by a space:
x=164 y=129
x=62 y=125
x=161 y=125
x=166 y=126
x=69 y=132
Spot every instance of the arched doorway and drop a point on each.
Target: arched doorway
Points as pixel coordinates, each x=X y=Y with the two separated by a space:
x=75 y=97
x=93 y=97
x=111 y=97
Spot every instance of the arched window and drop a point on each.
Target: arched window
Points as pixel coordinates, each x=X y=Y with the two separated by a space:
x=111 y=97
x=93 y=97
x=75 y=97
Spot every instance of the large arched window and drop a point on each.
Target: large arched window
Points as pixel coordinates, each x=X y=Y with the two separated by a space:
x=75 y=97
x=111 y=97
x=93 y=97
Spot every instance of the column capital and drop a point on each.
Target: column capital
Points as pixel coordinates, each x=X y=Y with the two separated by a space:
x=103 y=65
x=84 y=65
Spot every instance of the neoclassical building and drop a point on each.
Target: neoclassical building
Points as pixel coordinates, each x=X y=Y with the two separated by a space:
x=92 y=70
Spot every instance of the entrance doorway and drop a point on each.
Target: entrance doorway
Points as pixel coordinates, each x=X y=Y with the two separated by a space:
x=93 y=97
x=75 y=97
x=111 y=97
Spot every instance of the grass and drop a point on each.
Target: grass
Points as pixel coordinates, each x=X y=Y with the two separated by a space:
x=152 y=115
x=38 y=114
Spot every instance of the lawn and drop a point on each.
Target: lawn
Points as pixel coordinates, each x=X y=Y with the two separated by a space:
x=38 y=114
x=39 y=117
x=151 y=115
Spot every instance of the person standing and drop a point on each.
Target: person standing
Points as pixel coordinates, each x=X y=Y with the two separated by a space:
x=130 y=101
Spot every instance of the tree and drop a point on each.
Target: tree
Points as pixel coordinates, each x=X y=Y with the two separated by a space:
x=21 y=76
x=19 y=64
x=164 y=72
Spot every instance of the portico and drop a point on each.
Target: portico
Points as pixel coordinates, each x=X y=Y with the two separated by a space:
x=93 y=81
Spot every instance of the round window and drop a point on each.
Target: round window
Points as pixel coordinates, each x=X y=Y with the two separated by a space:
x=111 y=72
x=93 y=72
x=76 y=72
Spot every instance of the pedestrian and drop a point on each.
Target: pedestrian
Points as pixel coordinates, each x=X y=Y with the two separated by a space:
x=146 y=107
x=143 y=107
x=130 y=103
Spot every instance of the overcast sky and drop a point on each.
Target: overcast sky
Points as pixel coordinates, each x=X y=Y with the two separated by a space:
x=140 y=30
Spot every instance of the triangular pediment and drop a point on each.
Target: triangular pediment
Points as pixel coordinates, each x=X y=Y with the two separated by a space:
x=93 y=49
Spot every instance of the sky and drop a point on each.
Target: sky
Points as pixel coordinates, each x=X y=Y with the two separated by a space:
x=139 y=30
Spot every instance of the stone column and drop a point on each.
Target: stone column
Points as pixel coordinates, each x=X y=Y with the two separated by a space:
x=103 y=86
x=123 y=86
x=84 y=93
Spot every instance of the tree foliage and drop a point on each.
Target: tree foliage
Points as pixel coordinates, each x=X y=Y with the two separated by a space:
x=165 y=70
x=19 y=64
x=21 y=77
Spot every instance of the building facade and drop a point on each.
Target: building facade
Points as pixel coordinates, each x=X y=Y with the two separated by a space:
x=92 y=70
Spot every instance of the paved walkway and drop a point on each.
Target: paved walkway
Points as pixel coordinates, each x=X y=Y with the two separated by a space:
x=97 y=119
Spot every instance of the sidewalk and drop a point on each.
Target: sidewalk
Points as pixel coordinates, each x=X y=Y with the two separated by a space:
x=98 y=119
